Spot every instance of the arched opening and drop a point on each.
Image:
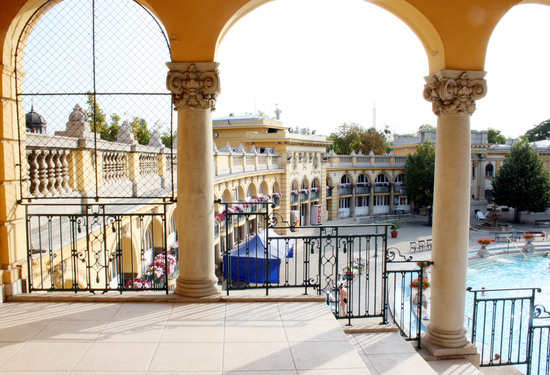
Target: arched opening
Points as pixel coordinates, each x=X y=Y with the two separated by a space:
x=362 y=195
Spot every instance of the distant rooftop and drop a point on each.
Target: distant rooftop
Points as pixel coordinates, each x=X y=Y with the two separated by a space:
x=244 y=118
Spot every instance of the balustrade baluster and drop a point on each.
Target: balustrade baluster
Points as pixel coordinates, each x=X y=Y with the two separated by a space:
x=42 y=173
x=33 y=173
x=51 y=173
x=57 y=173
x=65 y=171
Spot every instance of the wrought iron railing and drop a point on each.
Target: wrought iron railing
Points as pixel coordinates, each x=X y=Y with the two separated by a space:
x=508 y=329
x=97 y=248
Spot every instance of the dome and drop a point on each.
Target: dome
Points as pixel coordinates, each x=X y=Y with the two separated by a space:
x=35 y=123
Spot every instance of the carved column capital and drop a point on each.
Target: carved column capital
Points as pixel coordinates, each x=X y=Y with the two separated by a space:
x=454 y=92
x=194 y=84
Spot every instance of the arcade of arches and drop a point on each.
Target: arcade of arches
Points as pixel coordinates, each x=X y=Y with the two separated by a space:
x=455 y=35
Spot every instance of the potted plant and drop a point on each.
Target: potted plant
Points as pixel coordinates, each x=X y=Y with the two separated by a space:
x=483 y=252
x=395 y=225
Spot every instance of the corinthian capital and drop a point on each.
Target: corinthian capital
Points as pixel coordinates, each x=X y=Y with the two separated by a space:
x=454 y=92
x=194 y=84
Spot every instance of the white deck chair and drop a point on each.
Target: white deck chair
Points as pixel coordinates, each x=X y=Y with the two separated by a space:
x=480 y=215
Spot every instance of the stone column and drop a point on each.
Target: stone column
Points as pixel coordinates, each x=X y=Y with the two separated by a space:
x=195 y=87
x=453 y=94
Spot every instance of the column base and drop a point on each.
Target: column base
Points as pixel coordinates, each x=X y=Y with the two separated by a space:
x=468 y=351
x=446 y=339
x=197 y=288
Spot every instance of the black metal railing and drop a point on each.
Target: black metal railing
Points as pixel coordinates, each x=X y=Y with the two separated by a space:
x=406 y=294
x=97 y=248
x=504 y=329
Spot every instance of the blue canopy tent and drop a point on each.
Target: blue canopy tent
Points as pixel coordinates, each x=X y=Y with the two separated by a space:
x=251 y=263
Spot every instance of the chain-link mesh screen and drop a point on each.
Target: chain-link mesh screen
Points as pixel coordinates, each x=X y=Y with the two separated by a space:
x=94 y=114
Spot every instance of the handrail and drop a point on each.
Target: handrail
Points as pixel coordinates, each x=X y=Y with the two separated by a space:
x=508 y=238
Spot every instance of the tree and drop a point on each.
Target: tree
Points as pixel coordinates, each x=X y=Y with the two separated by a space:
x=419 y=176
x=373 y=141
x=522 y=182
x=350 y=137
x=346 y=138
x=141 y=132
x=539 y=132
x=494 y=136
x=98 y=123
x=426 y=127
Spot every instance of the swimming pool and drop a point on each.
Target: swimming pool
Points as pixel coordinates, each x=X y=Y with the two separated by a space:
x=509 y=271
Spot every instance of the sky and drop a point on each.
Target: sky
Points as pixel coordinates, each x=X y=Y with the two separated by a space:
x=325 y=62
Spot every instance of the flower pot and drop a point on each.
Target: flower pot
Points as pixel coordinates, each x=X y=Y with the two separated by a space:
x=393 y=234
x=483 y=252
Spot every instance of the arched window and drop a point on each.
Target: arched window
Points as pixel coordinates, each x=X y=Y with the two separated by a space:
x=489 y=169
x=345 y=179
x=362 y=179
x=261 y=190
x=147 y=250
x=249 y=191
x=304 y=184
x=399 y=178
x=315 y=184
x=381 y=178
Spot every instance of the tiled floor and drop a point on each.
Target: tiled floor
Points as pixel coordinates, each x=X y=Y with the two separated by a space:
x=165 y=338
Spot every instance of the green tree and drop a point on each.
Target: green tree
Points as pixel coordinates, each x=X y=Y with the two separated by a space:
x=494 y=136
x=522 y=182
x=373 y=141
x=419 y=176
x=426 y=127
x=539 y=132
x=346 y=138
x=98 y=122
x=141 y=132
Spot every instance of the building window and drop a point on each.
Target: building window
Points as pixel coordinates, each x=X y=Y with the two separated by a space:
x=381 y=200
x=345 y=179
x=345 y=202
x=489 y=170
x=361 y=201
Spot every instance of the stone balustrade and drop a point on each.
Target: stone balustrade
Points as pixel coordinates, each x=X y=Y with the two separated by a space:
x=60 y=166
x=364 y=161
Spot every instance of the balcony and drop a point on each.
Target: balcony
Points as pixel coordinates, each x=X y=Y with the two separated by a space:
x=362 y=189
x=277 y=201
x=304 y=196
x=382 y=189
x=399 y=189
x=293 y=198
x=329 y=193
x=314 y=195
x=345 y=190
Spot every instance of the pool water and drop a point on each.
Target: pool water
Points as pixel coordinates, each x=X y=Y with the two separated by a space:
x=509 y=271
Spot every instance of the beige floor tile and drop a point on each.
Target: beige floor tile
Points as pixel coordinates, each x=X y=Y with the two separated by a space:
x=305 y=311
x=72 y=330
x=106 y=356
x=8 y=350
x=31 y=312
x=191 y=357
x=323 y=355
x=20 y=331
x=90 y=311
x=314 y=330
x=368 y=363
x=274 y=356
x=278 y=372
x=109 y=373
x=51 y=356
x=400 y=363
x=252 y=311
x=145 y=312
x=383 y=343
x=40 y=372
x=198 y=311
x=254 y=331
x=456 y=367
x=184 y=373
x=349 y=371
x=193 y=331
x=132 y=331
